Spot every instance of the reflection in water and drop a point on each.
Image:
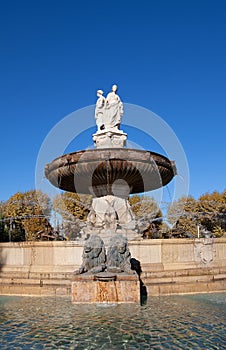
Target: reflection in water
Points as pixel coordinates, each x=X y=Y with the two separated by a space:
x=173 y=322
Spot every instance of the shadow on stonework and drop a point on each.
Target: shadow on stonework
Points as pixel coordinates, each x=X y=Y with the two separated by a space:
x=2 y=259
x=136 y=266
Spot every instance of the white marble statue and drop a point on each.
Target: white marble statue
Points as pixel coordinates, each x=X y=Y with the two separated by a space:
x=99 y=110
x=102 y=214
x=113 y=109
x=110 y=211
x=109 y=111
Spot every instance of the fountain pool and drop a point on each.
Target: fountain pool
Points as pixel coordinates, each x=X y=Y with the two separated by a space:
x=166 y=322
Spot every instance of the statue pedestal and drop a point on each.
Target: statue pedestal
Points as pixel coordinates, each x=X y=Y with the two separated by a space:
x=111 y=138
x=105 y=288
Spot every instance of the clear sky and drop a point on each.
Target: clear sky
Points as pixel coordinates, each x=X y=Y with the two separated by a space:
x=167 y=56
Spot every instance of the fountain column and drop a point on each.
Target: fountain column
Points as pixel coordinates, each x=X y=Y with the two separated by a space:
x=110 y=221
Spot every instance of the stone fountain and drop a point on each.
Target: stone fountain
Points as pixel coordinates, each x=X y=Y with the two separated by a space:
x=110 y=172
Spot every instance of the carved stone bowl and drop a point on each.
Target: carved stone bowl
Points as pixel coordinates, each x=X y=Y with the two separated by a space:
x=110 y=171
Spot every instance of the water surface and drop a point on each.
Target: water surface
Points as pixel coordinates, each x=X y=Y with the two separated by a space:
x=169 y=322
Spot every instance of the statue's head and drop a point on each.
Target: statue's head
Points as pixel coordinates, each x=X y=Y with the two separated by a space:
x=122 y=247
x=119 y=243
x=114 y=88
x=95 y=245
x=100 y=92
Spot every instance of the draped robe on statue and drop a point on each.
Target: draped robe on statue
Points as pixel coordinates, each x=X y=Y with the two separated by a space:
x=113 y=111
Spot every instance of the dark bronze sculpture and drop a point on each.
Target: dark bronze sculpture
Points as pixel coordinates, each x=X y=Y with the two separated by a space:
x=118 y=255
x=95 y=259
x=94 y=256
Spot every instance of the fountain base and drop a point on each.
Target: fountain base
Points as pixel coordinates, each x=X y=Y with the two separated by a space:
x=105 y=288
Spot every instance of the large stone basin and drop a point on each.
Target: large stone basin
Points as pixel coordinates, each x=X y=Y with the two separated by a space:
x=99 y=171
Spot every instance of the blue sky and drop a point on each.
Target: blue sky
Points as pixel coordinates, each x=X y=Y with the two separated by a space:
x=167 y=56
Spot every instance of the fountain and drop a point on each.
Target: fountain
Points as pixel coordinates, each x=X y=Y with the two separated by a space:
x=110 y=172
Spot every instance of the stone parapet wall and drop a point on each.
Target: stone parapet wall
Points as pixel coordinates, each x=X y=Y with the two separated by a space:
x=168 y=266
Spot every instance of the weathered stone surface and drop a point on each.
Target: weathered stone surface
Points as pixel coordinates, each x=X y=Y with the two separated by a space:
x=124 y=289
x=110 y=213
x=118 y=255
x=94 y=256
x=168 y=266
x=110 y=139
x=204 y=250
x=105 y=276
x=106 y=234
x=96 y=170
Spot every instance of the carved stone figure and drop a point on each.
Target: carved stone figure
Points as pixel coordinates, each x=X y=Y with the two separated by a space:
x=204 y=251
x=109 y=111
x=110 y=139
x=109 y=212
x=94 y=256
x=102 y=213
x=118 y=255
x=113 y=110
x=125 y=215
x=99 y=110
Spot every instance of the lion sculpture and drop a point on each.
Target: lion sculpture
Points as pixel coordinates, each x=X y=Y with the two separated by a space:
x=118 y=255
x=94 y=256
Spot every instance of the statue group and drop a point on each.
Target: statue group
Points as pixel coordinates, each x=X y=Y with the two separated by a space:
x=109 y=110
x=111 y=212
x=95 y=259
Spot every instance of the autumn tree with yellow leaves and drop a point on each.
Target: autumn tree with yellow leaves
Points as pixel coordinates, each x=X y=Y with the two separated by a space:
x=74 y=209
x=208 y=212
x=145 y=208
x=27 y=214
x=24 y=216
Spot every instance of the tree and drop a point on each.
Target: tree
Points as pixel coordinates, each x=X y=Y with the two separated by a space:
x=74 y=209
x=27 y=214
x=148 y=214
x=182 y=215
x=209 y=212
x=4 y=237
x=212 y=212
x=144 y=206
